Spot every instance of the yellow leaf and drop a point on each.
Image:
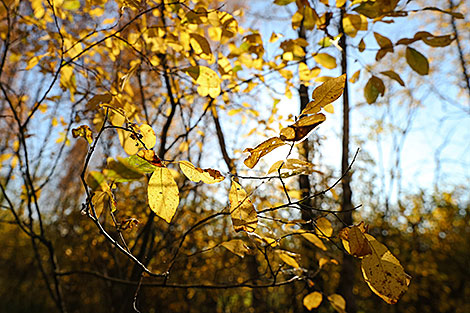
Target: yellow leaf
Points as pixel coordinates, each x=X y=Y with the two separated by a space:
x=236 y=246
x=201 y=46
x=325 y=94
x=261 y=150
x=337 y=302
x=417 y=61
x=163 y=194
x=373 y=89
x=323 y=227
x=244 y=216
x=384 y=273
x=302 y=128
x=195 y=174
x=355 y=77
x=314 y=239
x=131 y=144
x=325 y=60
x=287 y=258
x=312 y=300
x=150 y=156
x=354 y=240
x=83 y=131
x=207 y=79
x=329 y=108
x=289 y=164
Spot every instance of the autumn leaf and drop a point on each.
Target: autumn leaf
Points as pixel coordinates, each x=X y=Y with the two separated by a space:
x=207 y=79
x=313 y=300
x=261 y=150
x=163 y=194
x=132 y=144
x=417 y=61
x=313 y=239
x=354 y=240
x=295 y=165
x=323 y=228
x=195 y=174
x=383 y=272
x=83 y=131
x=120 y=171
x=325 y=94
x=236 y=246
x=288 y=258
x=302 y=128
x=325 y=60
x=244 y=216
x=150 y=157
x=337 y=302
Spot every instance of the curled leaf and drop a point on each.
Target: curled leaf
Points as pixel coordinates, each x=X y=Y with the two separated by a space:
x=354 y=241
x=83 y=131
x=290 y=164
x=150 y=156
x=163 y=194
x=302 y=128
x=244 y=216
x=196 y=174
x=261 y=150
x=393 y=75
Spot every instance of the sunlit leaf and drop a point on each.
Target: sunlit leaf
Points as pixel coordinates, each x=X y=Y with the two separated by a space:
x=236 y=246
x=323 y=227
x=354 y=240
x=288 y=258
x=201 y=46
x=207 y=79
x=150 y=157
x=418 y=62
x=196 y=174
x=132 y=144
x=289 y=164
x=314 y=239
x=302 y=128
x=337 y=302
x=384 y=273
x=83 y=131
x=244 y=216
x=325 y=60
x=261 y=150
x=325 y=94
x=313 y=300
x=163 y=194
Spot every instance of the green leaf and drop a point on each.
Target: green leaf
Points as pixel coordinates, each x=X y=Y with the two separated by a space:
x=373 y=89
x=417 y=61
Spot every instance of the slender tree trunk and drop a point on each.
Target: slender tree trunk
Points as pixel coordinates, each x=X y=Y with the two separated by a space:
x=346 y=283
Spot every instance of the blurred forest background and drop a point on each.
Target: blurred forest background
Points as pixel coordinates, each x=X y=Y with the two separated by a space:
x=67 y=63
